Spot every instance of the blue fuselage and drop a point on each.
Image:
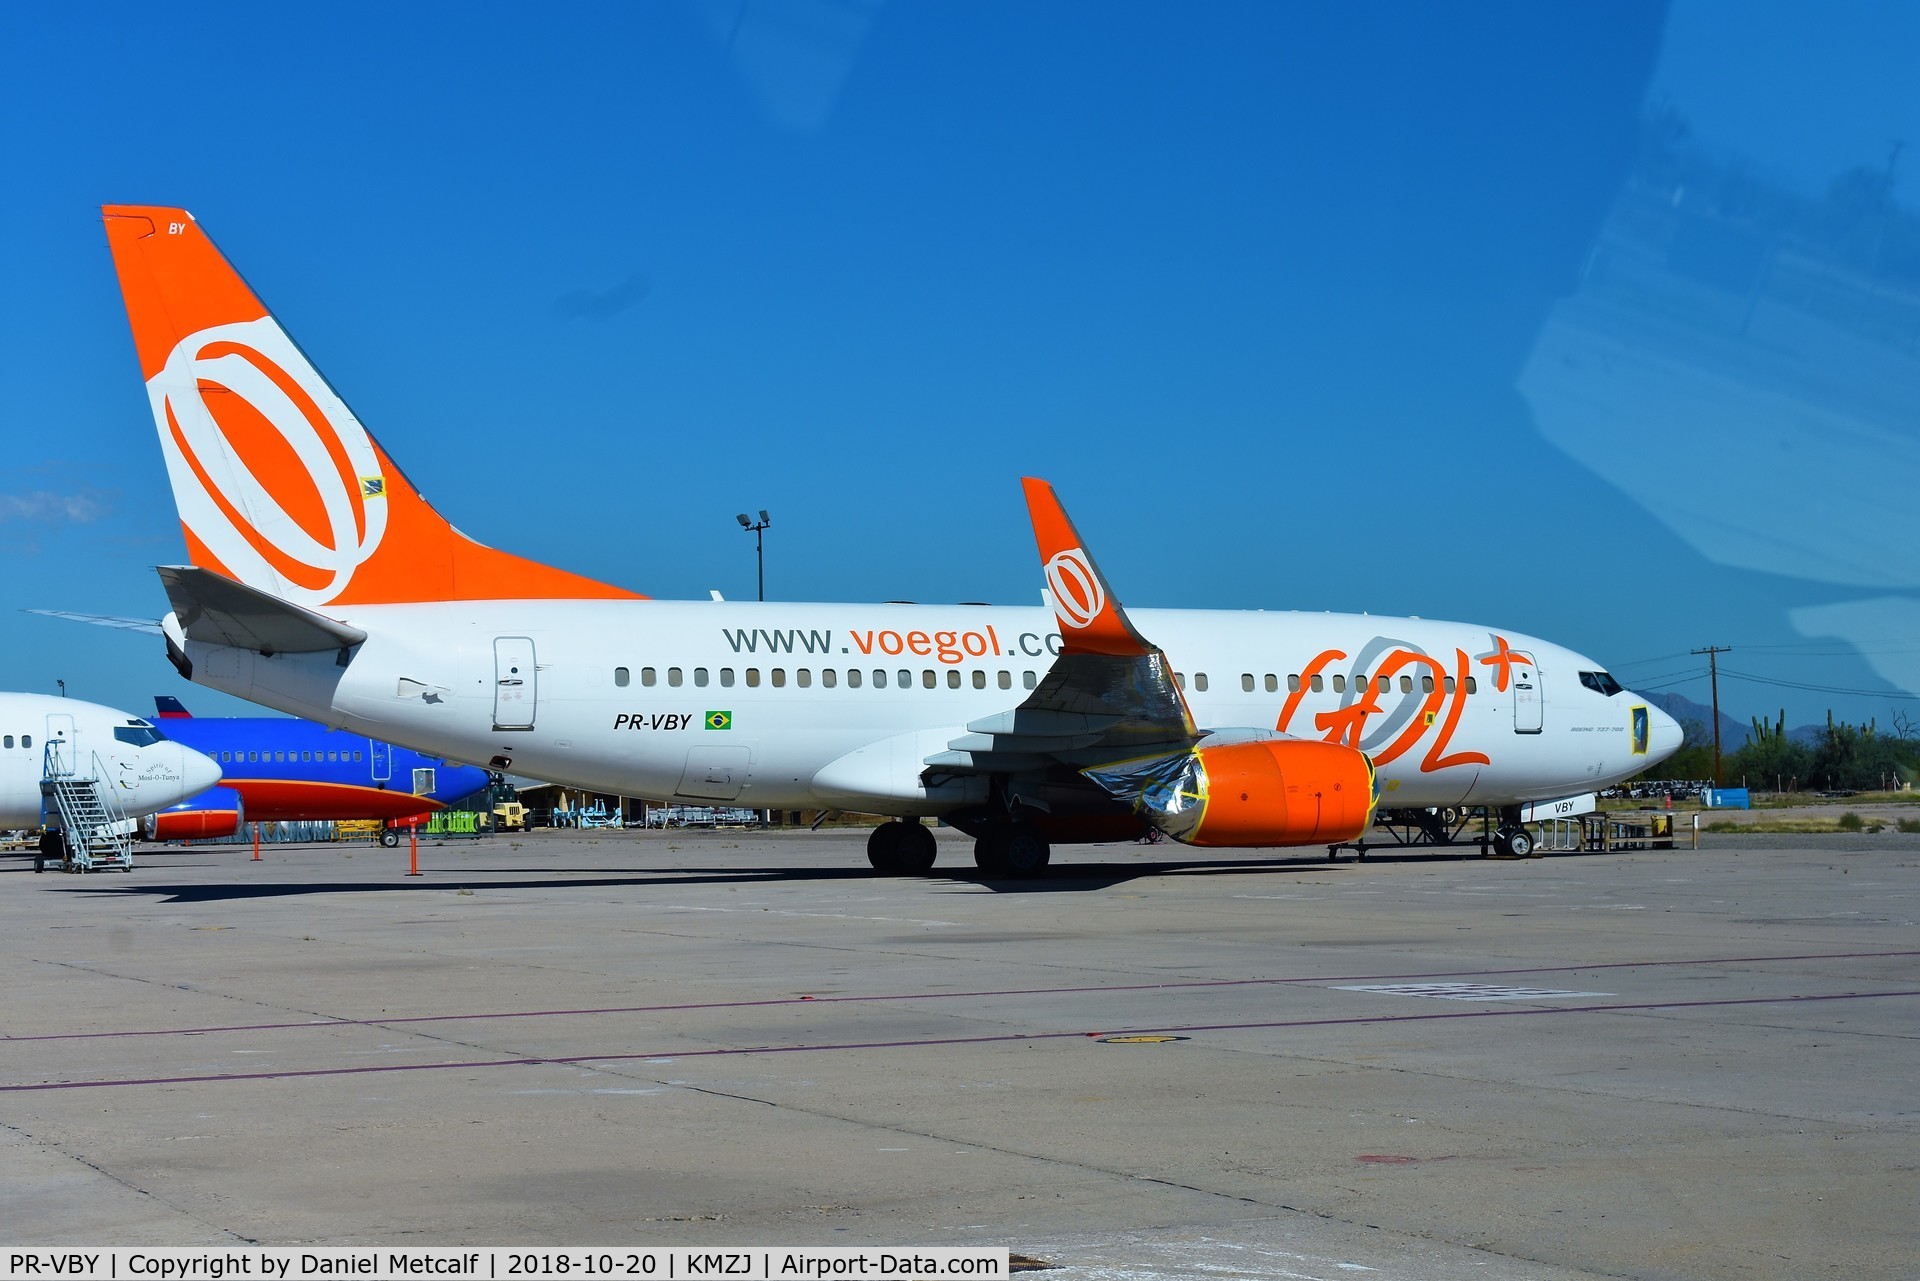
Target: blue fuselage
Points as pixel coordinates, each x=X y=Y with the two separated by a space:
x=286 y=769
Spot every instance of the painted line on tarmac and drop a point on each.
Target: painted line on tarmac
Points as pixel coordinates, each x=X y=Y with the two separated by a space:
x=1186 y=985
x=576 y=1060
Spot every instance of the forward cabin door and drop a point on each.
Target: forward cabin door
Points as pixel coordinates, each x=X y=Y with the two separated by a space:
x=61 y=730
x=1526 y=695
x=513 y=682
x=382 y=761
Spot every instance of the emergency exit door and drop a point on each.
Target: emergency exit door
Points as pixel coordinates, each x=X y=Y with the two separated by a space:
x=514 y=691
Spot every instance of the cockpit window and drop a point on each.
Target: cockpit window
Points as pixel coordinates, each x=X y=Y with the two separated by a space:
x=138 y=735
x=1601 y=683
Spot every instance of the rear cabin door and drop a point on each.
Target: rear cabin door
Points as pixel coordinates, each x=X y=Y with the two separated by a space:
x=514 y=693
x=381 y=755
x=1526 y=695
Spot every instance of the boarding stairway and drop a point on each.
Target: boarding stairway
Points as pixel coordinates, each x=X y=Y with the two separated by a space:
x=93 y=833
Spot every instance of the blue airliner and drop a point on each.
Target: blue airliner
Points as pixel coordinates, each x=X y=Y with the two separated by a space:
x=275 y=769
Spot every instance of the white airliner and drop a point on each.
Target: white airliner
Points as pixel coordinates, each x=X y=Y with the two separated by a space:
x=140 y=770
x=324 y=585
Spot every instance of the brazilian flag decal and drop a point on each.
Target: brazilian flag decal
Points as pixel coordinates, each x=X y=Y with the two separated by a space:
x=719 y=720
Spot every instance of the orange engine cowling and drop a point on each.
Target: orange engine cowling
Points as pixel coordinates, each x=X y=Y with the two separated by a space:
x=1286 y=792
x=1282 y=791
x=217 y=811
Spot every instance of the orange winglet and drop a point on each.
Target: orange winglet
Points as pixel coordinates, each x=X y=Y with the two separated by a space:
x=1091 y=619
x=278 y=485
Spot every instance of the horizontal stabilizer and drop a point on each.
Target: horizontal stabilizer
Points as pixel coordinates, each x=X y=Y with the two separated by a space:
x=215 y=610
x=147 y=625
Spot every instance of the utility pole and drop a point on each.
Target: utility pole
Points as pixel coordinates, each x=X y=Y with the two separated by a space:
x=1713 y=653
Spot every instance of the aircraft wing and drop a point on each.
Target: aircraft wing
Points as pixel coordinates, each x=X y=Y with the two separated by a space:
x=1110 y=693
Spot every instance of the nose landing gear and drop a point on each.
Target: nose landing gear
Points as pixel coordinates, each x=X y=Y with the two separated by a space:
x=1513 y=842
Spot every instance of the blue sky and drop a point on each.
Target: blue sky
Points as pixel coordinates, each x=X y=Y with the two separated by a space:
x=1253 y=285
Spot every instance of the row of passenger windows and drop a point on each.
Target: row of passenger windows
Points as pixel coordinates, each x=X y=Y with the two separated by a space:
x=903 y=678
x=879 y=677
x=1381 y=684
x=26 y=740
x=228 y=758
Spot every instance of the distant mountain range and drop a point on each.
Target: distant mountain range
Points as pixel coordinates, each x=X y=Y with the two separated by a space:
x=1733 y=733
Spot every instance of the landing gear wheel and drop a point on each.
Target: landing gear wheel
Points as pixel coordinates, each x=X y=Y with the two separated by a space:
x=390 y=837
x=1513 y=842
x=1027 y=852
x=1015 y=850
x=922 y=849
x=901 y=849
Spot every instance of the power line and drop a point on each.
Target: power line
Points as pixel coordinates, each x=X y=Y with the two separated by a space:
x=1645 y=687
x=1684 y=673
x=1644 y=662
x=1791 y=649
x=1819 y=689
x=1845 y=651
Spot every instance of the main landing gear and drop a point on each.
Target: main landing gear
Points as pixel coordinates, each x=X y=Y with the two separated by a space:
x=901 y=848
x=905 y=847
x=1011 y=849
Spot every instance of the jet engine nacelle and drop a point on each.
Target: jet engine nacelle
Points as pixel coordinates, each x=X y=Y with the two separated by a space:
x=1265 y=792
x=218 y=811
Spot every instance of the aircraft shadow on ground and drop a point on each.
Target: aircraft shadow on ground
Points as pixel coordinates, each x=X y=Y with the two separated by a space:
x=1061 y=878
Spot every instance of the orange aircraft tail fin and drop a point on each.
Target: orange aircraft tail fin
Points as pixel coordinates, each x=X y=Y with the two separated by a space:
x=278 y=485
x=1091 y=619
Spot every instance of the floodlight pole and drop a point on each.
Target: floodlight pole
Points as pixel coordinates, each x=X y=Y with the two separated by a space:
x=759 y=529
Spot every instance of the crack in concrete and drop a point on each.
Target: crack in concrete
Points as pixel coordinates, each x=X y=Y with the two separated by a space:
x=50 y=1146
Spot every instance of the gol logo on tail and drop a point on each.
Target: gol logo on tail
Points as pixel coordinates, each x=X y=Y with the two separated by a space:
x=298 y=524
x=1077 y=595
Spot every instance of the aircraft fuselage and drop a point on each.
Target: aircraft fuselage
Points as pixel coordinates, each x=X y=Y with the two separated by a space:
x=632 y=696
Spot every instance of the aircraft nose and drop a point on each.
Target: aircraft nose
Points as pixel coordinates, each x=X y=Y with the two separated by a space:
x=198 y=772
